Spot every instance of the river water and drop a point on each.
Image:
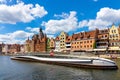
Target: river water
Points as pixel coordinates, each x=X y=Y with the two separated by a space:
x=20 y=70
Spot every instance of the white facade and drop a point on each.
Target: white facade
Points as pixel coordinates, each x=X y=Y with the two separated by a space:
x=57 y=46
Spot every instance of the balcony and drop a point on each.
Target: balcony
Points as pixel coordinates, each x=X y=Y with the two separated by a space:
x=68 y=44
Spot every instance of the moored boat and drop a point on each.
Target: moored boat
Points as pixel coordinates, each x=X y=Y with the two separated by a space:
x=96 y=63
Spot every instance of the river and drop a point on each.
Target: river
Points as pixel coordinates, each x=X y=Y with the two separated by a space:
x=20 y=70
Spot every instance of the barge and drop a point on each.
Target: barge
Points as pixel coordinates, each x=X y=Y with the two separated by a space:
x=95 y=63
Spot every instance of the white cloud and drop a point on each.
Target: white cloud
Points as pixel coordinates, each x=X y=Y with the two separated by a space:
x=50 y=36
x=105 y=17
x=20 y=13
x=15 y=37
x=63 y=15
x=35 y=30
x=66 y=24
x=20 y=34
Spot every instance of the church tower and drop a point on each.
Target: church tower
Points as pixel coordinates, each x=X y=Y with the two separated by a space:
x=41 y=35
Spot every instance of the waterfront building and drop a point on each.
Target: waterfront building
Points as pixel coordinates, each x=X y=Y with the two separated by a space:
x=52 y=44
x=57 y=44
x=38 y=42
x=114 y=39
x=84 y=41
x=68 y=43
x=102 y=40
x=28 y=45
x=62 y=37
x=22 y=48
x=14 y=48
x=5 y=48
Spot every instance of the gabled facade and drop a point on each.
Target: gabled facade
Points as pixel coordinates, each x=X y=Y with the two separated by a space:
x=52 y=43
x=68 y=43
x=102 y=39
x=62 y=37
x=38 y=42
x=114 y=39
x=57 y=44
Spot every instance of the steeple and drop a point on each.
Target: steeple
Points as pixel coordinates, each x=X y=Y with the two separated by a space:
x=28 y=38
x=40 y=29
x=41 y=35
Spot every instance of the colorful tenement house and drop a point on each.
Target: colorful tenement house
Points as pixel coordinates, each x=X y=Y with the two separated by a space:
x=52 y=44
x=62 y=37
x=84 y=41
x=114 y=39
x=68 y=43
x=102 y=40
x=57 y=44
x=38 y=43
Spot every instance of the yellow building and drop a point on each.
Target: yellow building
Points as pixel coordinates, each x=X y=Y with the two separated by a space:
x=114 y=39
x=113 y=33
x=62 y=38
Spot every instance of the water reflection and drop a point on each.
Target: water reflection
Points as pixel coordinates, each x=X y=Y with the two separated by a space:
x=18 y=70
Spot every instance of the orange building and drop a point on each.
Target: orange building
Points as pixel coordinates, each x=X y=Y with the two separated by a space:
x=84 y=41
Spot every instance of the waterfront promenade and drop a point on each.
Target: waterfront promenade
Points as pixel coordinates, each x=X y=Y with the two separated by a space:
x=109 y=56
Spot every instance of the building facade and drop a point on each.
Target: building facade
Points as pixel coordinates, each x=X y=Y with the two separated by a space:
x=114 y=39
x=38 y=42
x=102 y=39
x=62 y=37
x=52 y=44
x=84 y=41
x=57 y=44
x=68 y=43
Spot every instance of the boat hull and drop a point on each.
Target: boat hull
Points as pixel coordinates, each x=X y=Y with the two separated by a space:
x=81 y=64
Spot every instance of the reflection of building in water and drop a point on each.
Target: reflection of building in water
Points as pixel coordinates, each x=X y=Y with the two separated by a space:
x=37 y=44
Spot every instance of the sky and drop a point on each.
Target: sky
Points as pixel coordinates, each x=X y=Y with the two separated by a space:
x=20 y=19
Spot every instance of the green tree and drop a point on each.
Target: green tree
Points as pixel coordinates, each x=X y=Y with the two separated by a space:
x=94 y=45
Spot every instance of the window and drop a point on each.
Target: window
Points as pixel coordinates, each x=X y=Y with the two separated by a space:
x=84 y=41
x=90 y=45
x=105 y=35
x=87 y=41
x=87 y=45
x=77 y=42
x=114 y=31
x=90 y=41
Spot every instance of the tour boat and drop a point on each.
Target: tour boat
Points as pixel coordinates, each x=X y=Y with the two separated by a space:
x=96 y=62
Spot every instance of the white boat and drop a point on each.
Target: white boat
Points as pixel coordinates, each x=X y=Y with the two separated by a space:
x=97 y=63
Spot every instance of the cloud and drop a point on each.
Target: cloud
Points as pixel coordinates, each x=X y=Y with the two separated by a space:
x=105 y=17
x=35 y=30
x=20 y=12
x=65 y=24
x=15 y=37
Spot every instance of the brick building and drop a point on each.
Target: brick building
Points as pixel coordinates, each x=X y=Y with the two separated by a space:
x=38 y=42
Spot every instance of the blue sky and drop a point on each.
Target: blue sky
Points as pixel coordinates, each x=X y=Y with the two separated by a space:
x=20 y=19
